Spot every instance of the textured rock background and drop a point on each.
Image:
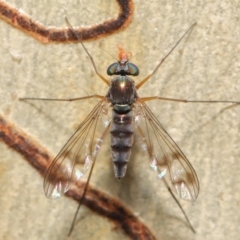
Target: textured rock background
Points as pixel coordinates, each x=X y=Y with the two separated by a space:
x=204 y=66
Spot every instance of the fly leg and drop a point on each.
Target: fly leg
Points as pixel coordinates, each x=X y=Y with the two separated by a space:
x=161 y=62
x=64 y=99
x=89 y=55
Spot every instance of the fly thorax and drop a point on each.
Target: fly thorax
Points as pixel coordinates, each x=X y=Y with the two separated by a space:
x=121 y=93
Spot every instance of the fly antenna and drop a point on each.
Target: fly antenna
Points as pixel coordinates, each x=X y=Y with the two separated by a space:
x=109 y=54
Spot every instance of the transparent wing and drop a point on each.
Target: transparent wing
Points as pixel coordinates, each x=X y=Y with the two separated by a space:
x=78 y=154
x=165 y=156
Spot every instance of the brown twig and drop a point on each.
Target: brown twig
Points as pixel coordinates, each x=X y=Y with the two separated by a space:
x=99 y=202
x=46 y=34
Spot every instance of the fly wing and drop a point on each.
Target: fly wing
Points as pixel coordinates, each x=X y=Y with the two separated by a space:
x=77 y=156
x=166 y=158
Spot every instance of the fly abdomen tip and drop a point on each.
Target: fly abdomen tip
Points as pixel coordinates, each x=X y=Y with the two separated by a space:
x=120 y=169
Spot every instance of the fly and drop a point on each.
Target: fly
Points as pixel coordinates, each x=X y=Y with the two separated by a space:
x=129 y=114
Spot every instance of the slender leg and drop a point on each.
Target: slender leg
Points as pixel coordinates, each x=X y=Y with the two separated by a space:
x=64 y=100
x=161 y=62
x=150 y=148
x=178 y=203
x=91 y=58
x=89 y=177
x=145 y=99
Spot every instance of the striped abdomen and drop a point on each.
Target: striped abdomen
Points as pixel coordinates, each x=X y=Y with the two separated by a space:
x=122 y=129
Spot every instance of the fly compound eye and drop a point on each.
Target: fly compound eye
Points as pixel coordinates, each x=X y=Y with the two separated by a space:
x=112 y=69
x=124 y=69
x=132 y=69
